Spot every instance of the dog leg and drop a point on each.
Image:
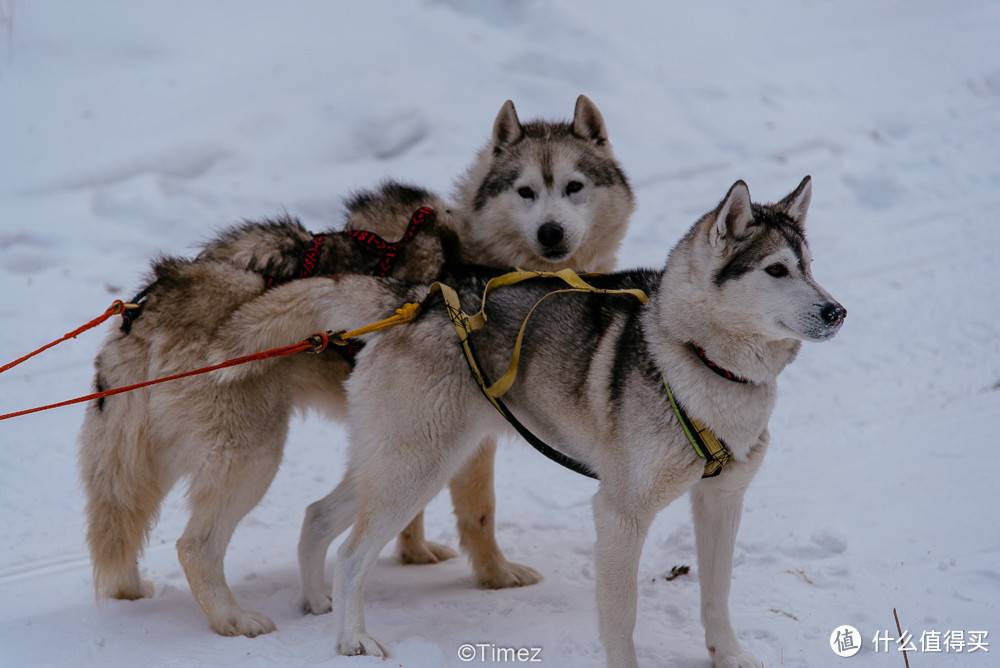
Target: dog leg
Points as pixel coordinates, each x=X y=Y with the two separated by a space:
x=222 y=492
x=717 y=507
x=389 y=490
x=414 y=548
x=324 y=521
x=475 y=506
x=382 y=515
x=620 y=535
x=350 y=573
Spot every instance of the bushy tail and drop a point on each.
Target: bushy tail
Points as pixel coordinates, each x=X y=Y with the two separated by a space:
x=122 y=490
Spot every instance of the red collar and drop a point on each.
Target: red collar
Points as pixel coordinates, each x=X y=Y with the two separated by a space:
x=725 y=373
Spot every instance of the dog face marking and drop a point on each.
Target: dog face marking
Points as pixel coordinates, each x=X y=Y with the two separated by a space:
x=764 y=273
x=548 y=178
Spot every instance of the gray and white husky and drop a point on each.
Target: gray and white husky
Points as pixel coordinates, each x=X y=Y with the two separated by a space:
x=724 y=317
x=539 y=194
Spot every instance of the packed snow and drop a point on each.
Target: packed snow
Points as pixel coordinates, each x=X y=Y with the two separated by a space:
x=129 y=130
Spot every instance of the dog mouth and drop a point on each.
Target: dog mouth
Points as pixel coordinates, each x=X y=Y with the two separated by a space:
x=826 y=334
x=555 y=254
x=815 y=335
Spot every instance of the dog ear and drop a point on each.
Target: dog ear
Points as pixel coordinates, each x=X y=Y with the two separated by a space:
x=732 y=216
x=588 y=123
x=506 y=128
x=797 y=204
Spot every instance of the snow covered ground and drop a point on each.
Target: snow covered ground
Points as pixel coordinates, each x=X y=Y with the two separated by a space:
x=132 y=129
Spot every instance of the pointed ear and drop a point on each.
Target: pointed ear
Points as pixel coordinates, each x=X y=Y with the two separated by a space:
x=797 y=204
x=588 y=123
x=732 y=217
x=507 y=127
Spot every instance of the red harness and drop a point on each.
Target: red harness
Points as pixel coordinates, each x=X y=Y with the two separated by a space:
x=310 y=261
x=389 y=250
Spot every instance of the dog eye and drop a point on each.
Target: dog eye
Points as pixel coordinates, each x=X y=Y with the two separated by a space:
x=777 y=270
x=526 y=193
x=573 y=187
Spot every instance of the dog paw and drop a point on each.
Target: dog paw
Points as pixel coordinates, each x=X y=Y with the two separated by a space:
x=738 y=659
x=245 y=623
x=425 y=552
x=361 y=644
x=134 y=591
x=508 y=575
x=317 y=605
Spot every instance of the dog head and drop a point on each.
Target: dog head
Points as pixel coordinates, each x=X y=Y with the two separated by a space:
x=545 y=195
x=748 y=266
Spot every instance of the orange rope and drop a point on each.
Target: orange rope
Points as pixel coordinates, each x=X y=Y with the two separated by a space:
x=116 y=307
x=315 y=343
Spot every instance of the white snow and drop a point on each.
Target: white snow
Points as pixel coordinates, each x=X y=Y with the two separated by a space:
x=133 y=129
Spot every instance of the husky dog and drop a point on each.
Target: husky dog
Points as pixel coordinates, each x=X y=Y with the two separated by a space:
x=540 y=194
x=596 y=380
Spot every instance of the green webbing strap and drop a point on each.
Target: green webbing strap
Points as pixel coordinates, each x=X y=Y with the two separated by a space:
x=705 y=443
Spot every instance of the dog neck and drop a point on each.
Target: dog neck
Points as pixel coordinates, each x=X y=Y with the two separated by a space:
x=729 y=353
x=736 y=412
x=683 y=315
x=735 y=356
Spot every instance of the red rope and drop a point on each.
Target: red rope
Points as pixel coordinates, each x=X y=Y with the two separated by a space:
x=116 y=307
x=316 y=343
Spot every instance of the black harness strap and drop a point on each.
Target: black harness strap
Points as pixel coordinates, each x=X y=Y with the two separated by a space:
x=538 y=444
x=132 y=312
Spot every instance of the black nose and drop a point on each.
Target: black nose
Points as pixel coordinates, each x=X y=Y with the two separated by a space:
x=833 y=313
x=550 y=234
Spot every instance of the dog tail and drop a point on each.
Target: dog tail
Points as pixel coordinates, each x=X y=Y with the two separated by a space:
x=122 y=491
x=292 y=312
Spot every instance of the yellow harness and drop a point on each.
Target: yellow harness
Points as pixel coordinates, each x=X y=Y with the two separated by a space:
x=465 y=324
x=705 y=443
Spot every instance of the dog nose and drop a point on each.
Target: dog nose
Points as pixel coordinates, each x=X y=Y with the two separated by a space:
x=833 y=313
x=550 y=234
